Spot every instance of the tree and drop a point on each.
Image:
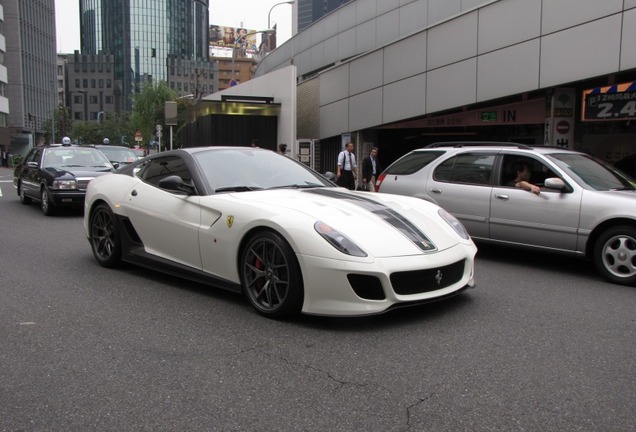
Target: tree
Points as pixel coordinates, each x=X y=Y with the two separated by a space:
x=63 y=124
x=148 y=107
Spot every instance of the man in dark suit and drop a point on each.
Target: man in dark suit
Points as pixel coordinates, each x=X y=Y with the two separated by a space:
x=371 y=169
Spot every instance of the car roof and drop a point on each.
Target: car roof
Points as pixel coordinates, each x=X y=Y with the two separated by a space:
x=495 y=145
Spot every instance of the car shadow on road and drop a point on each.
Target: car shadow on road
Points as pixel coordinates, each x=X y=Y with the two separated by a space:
x=532 y=258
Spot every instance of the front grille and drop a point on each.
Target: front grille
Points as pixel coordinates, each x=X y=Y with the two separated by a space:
x=421 y=281
x=82 y=183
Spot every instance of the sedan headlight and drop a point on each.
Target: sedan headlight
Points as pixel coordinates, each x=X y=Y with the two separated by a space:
x=338 y=240
x=457 y=226
x=64 y=184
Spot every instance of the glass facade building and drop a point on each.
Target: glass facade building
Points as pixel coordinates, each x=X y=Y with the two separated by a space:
x=142 y=34
x=312 y=10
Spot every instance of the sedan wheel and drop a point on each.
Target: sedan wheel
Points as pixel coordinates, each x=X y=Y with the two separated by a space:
x=45 y=203
x=104 y=236
x=271 y=276
x=615 y=255
x=23 y=198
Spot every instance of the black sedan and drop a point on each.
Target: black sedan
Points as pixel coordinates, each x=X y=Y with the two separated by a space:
x=57 y=175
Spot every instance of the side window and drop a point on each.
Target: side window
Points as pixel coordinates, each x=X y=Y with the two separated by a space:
x=512 y=164
x=413 y=162
x=163 y=167
x=32 y=156
x=470 y=168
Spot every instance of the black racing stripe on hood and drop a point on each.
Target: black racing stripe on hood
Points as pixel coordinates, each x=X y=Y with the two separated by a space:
x=385 y=213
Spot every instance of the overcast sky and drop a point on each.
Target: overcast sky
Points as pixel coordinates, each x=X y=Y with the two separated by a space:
x=251 y=14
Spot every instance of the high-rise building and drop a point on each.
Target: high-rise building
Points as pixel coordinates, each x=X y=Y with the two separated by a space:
x=142 y=34
x=312 y=10
x=4 y=102
x=30 y=77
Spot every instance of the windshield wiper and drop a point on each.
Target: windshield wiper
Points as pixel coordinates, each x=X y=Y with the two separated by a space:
x=237 y=189
x=296 y=186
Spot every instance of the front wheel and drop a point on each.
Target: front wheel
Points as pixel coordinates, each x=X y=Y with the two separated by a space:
x=45 y=203
x=23 y=198
x=615 y=255
x=105 y=238
x=271 y=277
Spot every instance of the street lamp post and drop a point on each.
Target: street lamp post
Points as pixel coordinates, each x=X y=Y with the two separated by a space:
x=237 y=40
x=269 y=26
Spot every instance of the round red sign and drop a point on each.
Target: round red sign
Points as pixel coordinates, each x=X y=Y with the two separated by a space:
x=563 y=127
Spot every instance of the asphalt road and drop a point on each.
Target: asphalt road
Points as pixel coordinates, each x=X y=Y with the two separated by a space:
x=542 y=344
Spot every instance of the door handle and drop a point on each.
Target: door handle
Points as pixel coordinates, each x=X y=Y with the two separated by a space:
x=502 y=197
x=436 y=191
x=134 y=192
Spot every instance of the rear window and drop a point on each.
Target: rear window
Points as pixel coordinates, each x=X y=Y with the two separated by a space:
x=413 y=162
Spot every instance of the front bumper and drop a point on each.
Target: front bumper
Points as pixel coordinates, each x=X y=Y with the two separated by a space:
x=329 y=290
x=64 y=198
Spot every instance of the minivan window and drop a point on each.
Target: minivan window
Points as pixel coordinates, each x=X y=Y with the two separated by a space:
x=473 y=168
x=413 y=162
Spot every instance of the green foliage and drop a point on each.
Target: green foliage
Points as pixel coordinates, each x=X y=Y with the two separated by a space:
x=63 y=124
x=149 y=109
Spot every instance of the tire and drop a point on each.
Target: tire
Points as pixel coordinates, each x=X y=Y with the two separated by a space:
x=45 y=203
x=271 y=277
x=105 y=238
x=25 y=200
x=615 y=255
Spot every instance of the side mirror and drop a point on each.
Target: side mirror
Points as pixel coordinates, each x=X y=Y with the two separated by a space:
x=176 y=184
x=554 y=183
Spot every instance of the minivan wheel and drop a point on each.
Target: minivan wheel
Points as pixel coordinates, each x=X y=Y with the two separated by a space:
x=615 y=255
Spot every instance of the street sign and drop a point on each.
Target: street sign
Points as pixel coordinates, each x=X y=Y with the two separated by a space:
x=138 y=136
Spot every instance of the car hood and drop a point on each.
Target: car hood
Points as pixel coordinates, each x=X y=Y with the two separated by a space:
x=70 y=172
x=382 y=224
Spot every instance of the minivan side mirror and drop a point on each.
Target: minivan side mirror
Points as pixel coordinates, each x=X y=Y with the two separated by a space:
x=554 y=183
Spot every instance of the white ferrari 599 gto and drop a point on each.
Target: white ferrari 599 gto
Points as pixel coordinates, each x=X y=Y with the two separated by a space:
x=253 y=221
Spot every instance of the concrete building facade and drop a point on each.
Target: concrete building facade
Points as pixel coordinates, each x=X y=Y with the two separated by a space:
x=400 y=74
x=30 y=77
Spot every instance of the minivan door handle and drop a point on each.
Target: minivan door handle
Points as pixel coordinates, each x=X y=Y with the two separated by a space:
x=502 y=197
x=436 y=191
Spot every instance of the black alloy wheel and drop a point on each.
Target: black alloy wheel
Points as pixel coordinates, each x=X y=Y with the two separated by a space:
x=270 y=276
x=105 y=238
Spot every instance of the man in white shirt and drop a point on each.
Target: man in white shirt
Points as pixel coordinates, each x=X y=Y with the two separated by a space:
x=347 y=168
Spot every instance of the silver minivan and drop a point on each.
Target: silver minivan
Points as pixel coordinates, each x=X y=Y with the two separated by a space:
x=580 y=205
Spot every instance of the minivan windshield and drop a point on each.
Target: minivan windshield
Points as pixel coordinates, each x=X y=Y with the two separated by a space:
x=591 y=173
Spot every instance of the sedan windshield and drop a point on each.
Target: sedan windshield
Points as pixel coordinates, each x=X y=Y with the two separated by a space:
x=592 y=173
x=74 y=157
x=236 y=170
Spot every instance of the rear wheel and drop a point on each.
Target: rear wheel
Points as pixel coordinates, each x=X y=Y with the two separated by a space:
x=45 y=203
x=615 y=255
x=105 y=237
x=270 y=276
x=23 y=198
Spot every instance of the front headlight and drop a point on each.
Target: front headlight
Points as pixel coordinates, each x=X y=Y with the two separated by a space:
x=64 y=184
x=457 y=226
x=338 y=240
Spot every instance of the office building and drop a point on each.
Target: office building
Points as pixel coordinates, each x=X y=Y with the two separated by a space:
x=30 y=76
x=310 y=11
x=142 y=35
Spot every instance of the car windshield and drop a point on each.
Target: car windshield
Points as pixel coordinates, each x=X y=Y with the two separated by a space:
x=248 y=169
x=119 y=155
x=592 y=173
x=66 y=157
